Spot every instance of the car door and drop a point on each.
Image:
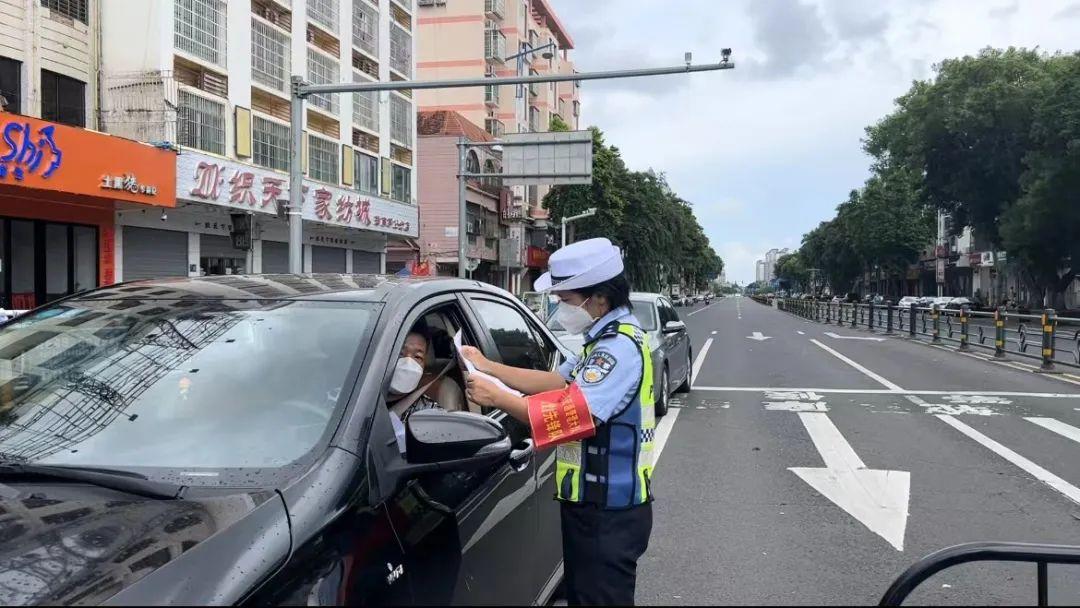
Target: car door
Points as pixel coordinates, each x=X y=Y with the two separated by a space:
x=466 y=534
x=676 y=344
x=516 y=340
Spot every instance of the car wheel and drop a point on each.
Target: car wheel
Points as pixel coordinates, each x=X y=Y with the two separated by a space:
x=685 y=386
x=665 y=391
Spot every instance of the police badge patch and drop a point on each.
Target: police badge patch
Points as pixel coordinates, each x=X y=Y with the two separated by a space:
x=597 y=367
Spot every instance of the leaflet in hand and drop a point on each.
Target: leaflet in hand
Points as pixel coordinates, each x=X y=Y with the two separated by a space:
x=470 y=369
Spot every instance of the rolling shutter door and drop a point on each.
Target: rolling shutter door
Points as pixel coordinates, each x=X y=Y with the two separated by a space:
x=217 y=246
x=327 y=259
x=275 y=257
x=150 y=253
x=365 y=262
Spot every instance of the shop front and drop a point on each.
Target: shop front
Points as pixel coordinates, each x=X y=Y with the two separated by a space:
x=226 y=222
x=59 y=188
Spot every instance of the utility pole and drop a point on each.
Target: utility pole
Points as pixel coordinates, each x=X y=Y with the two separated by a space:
x=300 y=92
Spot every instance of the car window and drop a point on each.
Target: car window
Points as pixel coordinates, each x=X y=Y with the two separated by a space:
x=645 y=311
x=518 y=343
x=670 y=312
x=165 y=386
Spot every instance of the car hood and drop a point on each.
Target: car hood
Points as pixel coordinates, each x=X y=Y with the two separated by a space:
x=87 y=551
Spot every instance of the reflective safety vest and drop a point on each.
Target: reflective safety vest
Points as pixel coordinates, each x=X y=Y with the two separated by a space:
x=613 y=469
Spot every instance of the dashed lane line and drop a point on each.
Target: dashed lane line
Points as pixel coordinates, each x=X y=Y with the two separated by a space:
x=862 y=369
x=701 y=357
x=663 y=433
x=882 y=391
x=1050 y=424
x=1065 y=488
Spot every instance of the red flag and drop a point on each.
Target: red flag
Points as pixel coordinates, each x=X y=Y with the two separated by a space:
x=560 y=416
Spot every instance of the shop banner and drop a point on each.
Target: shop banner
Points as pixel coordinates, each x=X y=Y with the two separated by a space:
x=218 y=181
x=560 y=416
x=48 y=156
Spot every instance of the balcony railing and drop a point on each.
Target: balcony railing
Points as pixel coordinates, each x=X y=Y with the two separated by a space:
x=495 y=8
x=495 y=127
x=494 y=45
x=491 y=94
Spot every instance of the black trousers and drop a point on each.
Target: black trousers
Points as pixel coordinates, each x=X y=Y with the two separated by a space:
x=600 y=553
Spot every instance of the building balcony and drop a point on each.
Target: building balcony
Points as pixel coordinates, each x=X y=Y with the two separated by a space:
x=495 y=9
x=491 y=95
x=495 y=127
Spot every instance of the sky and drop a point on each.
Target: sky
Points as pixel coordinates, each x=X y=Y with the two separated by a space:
x=767 y=151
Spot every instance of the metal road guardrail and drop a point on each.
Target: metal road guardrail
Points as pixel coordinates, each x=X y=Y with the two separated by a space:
x=1052 y=339
x=1041 y=555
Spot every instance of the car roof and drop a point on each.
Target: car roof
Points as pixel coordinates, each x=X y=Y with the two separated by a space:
x=310 y=286
x=645 y=295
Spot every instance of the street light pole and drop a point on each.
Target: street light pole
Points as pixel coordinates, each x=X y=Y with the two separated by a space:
x=463 y=146
x=566 y=220
x=296 y=180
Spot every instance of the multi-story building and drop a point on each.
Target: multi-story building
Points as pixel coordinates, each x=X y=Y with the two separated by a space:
x=60 y=182
x=490 y=38
x=759 y=271
x=213 y=77
x=438 y=134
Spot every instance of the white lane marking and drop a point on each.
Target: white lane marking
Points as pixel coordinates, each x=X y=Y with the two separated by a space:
x=794 y=401
x=883 y=391
x=714 y=332
x=1050 y=424
x=760 y=337
x=1065 y=488
x=663 y=432
x=701 y=309
x=877 y=498
x=862 y=369
x=701 y=357
x=801 y=333
x=839 y=337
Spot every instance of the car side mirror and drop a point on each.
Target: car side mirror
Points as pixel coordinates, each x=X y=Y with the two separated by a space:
x=672 y=327
x=437 y=440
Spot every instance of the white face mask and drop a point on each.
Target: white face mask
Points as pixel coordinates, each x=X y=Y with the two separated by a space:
x=574 y=318
x=407 y=373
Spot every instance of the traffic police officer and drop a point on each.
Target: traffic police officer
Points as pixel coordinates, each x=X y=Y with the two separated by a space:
x=603 y=480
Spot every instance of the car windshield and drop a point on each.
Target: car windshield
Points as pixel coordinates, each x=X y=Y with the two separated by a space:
x=175 y=387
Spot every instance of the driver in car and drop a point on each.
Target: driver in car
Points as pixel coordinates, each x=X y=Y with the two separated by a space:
x=408 y=371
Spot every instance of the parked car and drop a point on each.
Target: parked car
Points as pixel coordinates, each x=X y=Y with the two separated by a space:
x=227 y=439
x=906 y=302
x=671 y=350
x=957 y=303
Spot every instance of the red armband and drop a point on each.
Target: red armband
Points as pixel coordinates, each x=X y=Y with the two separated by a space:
x=560 y=416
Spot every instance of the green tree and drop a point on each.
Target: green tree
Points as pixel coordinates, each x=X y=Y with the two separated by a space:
x=557 y=124
x=828 y=249
x=792 y=271
x=1042 y=228
x=662 y=239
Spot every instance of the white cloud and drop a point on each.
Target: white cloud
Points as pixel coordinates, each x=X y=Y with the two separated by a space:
x=766 y=151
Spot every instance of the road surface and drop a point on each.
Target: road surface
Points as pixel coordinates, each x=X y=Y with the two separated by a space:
x=807 y=467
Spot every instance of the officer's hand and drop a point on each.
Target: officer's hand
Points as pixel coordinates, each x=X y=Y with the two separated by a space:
x=477 y=358
x=482 y=392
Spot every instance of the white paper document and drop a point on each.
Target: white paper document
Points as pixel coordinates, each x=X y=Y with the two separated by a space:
x=471 y=369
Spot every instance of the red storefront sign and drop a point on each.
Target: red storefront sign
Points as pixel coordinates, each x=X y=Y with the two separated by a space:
x=536 y=257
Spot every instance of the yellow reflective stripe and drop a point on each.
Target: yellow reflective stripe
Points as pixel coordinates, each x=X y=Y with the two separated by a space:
x=644 y=474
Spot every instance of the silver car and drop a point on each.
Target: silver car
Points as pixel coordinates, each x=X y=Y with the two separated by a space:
x=671 y=352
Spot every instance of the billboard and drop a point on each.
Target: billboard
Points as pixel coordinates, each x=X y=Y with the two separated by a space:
x=553 y=158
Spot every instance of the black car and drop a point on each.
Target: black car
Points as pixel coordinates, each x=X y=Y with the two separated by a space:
x=227 y=440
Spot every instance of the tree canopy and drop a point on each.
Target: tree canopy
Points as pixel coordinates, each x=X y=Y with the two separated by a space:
x=994 y=141
x=662 y=239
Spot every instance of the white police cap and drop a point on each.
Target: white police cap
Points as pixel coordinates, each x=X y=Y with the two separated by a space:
x=582 y=264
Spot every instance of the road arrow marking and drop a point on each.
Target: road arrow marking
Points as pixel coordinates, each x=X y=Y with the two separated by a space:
x=757 y=336
x=878 y=499
x=839 y=337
